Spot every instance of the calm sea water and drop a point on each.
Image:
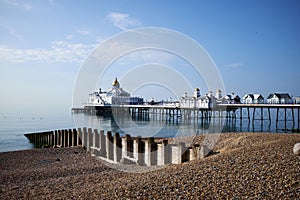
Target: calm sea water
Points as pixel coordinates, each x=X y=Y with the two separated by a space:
x=14 y=126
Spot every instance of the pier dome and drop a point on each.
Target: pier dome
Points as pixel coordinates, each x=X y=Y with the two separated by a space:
x=116 y=83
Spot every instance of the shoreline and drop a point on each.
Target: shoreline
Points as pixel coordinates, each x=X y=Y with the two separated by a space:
x=248 y=165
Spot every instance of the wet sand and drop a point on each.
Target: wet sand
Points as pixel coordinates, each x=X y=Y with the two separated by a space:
x=247 y=166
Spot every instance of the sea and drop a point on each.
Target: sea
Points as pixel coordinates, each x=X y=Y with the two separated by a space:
x=14 y=126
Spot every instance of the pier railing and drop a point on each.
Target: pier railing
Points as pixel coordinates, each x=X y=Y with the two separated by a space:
x=116 y=149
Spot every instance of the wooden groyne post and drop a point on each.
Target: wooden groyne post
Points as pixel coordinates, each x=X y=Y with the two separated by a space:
x=138 y=150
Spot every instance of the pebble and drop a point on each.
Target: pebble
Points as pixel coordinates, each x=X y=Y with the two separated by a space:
x=296 y=149
x=258 y=166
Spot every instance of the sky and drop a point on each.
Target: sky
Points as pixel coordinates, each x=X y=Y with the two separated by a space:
x=44 y=44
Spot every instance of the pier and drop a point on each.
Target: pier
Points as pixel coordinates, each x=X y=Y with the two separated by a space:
x=283 y=116
x=287 y=116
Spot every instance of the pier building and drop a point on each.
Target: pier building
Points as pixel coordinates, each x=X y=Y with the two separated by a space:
x=279 y=98
x=115 y=96
x=231 y=99
x=296 y=100
x=253 y=99
x=197 y=101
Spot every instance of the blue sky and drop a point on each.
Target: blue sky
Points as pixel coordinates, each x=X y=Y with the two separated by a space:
x=255 y=44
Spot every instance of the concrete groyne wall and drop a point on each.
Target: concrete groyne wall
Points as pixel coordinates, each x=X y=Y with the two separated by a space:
x=117 y=149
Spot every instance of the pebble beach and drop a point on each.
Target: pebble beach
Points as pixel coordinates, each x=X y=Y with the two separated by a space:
x=243 y=166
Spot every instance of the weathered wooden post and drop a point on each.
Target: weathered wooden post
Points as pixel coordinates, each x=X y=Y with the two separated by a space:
x=55 y=138
x=102 y=144
x=75 y=137
x=52 y=137
x=40 y=140
x=125 y=145
x=47 y=136
x=34 y=139
x=89 y=140
x=62 y=138
x=92 y=142
x=84 y=137
x=60 y=143
x=163 y=156
x=138 y=150
x=117 y=146
x=182 y=152
x=81 y=137
x=178 y=153
x=109 y=146
x=150 y=156
x=65 y=138
x=166 y=151
x=71 y=138
x=96 y=143
x=194 y=152
x=204 y=151
x=43 y=138
x=37 y=139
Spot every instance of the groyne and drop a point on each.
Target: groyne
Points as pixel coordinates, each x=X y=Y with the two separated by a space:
x=116 y=149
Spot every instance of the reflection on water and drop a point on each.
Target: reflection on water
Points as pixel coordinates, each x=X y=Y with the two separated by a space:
x=156 y=125
x=13 y=127
x=125 y=124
